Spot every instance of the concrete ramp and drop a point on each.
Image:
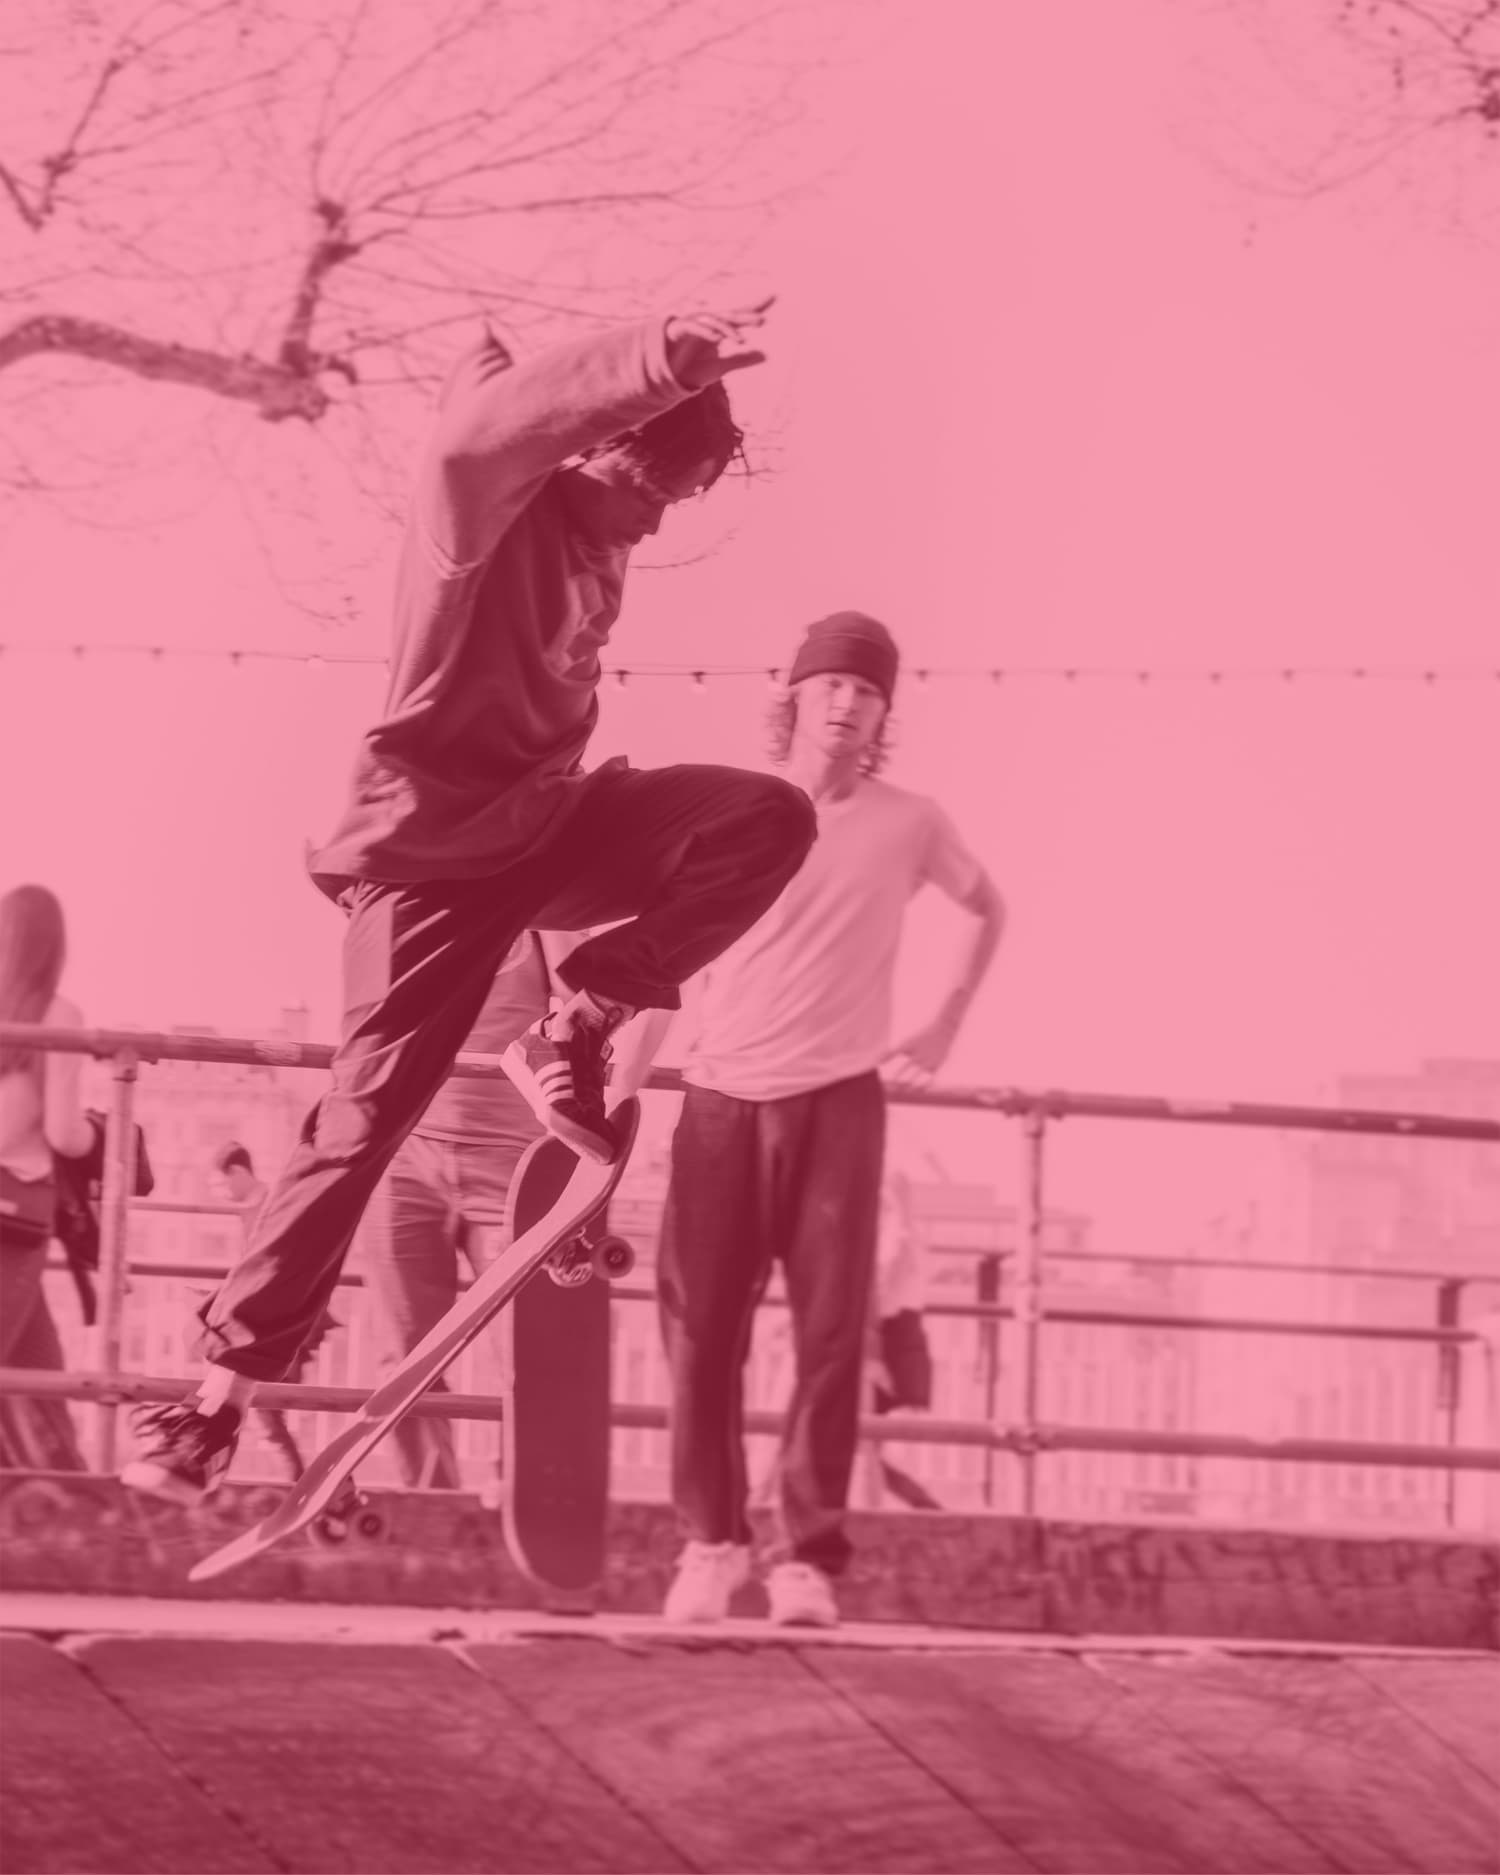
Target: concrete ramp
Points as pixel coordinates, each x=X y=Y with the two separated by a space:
x=502 y=1744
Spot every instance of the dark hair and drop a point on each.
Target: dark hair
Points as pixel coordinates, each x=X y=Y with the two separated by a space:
x=33 y=946
x=700 y=429
x=228 y=1157
x=781 y=721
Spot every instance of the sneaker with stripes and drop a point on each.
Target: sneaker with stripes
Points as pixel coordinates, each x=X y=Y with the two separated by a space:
x=558 y=1067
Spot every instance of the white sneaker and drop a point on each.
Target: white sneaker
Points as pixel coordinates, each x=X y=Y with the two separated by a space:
x=801 y=1597
x=707 y=1576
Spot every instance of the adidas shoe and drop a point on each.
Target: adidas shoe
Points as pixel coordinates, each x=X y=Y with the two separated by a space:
x=558 y=1068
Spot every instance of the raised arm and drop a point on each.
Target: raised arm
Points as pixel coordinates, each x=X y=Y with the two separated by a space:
x=503 y=426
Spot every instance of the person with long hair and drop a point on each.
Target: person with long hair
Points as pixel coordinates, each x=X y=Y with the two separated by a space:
x=41 y=1112
x=779 y=1150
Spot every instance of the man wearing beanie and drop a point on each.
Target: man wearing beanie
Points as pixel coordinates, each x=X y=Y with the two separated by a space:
x=778 y=1152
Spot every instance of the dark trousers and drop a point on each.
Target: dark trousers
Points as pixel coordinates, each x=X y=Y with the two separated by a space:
x=35 y=1434
x=441 y=1199
x=753 y=1181
x=691 y=856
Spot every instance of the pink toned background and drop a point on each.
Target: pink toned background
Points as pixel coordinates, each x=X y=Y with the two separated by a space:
x=1050 y=390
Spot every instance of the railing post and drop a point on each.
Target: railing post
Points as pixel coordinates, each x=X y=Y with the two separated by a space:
x=114 y=1199
x=1450 y=1381
x=1029 y=1294
x=988 y=1363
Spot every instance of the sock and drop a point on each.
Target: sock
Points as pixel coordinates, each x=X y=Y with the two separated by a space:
x=598 y=1012
x=222 y=1386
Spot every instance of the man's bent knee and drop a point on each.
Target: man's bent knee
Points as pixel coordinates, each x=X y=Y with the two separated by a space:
x=352 y=1129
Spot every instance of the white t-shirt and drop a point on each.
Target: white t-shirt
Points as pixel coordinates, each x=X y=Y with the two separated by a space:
x=803 y=999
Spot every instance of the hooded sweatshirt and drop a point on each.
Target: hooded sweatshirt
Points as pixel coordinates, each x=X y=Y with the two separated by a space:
x=503 y=602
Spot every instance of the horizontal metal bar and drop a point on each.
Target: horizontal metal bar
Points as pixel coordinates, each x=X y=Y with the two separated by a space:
x=1279 y=1451
x=145 y=1266
x=131 y=1389
x=186 y=1207
x=1153 y=1259
x=1127 y=1318
x=251 y=1051
x=1254 y=1325
x=189 y=1208
x=904 y=1429
x=1280 y=1118
x=971 y=1311
x=1051 y=1104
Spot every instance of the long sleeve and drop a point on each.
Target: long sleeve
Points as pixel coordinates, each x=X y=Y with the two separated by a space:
x=502 y=607
x=502 y=428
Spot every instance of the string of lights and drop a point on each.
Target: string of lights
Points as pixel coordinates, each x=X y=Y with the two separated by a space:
x=699 y=676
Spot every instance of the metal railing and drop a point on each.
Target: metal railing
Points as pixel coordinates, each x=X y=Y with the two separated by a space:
x=1027 y=1438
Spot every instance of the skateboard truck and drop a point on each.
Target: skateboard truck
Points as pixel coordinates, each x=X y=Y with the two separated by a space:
x=353 y=1513
x=593 y=1252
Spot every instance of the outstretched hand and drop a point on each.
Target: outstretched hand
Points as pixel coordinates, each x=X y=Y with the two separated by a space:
x=703 y=347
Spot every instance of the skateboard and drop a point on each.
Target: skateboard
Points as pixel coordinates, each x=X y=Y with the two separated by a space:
x=555 y=1241
x=556 y=1432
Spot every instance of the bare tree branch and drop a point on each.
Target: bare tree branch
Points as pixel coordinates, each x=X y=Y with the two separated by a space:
x=275 y=392
x=288 y=210
x=1408 y=90
x=32 y=216
x=331 y=250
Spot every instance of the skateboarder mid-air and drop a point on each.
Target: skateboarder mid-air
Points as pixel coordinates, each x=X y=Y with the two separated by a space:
x=472 y=819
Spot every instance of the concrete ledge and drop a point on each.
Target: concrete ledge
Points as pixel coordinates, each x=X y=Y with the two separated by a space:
x=64 y=1533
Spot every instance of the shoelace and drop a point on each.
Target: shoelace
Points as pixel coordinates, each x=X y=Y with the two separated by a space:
x=179 y=1417
x=588 y=1058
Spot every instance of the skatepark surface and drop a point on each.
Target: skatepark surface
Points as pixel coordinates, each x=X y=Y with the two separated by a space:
x=144 y=1735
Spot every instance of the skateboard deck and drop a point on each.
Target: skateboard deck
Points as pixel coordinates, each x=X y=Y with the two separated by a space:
x=584 y=1193
x=556 y=1429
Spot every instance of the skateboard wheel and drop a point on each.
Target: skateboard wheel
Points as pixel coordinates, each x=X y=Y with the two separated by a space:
x=343 y=1517
x=329 y=1532
x=613 y=1258
x=370 y=1525
x=569 y=1274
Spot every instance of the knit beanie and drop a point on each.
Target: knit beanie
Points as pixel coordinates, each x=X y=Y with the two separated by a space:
x=852 y=643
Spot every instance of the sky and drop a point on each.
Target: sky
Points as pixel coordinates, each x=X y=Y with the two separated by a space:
x=1049 y=389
